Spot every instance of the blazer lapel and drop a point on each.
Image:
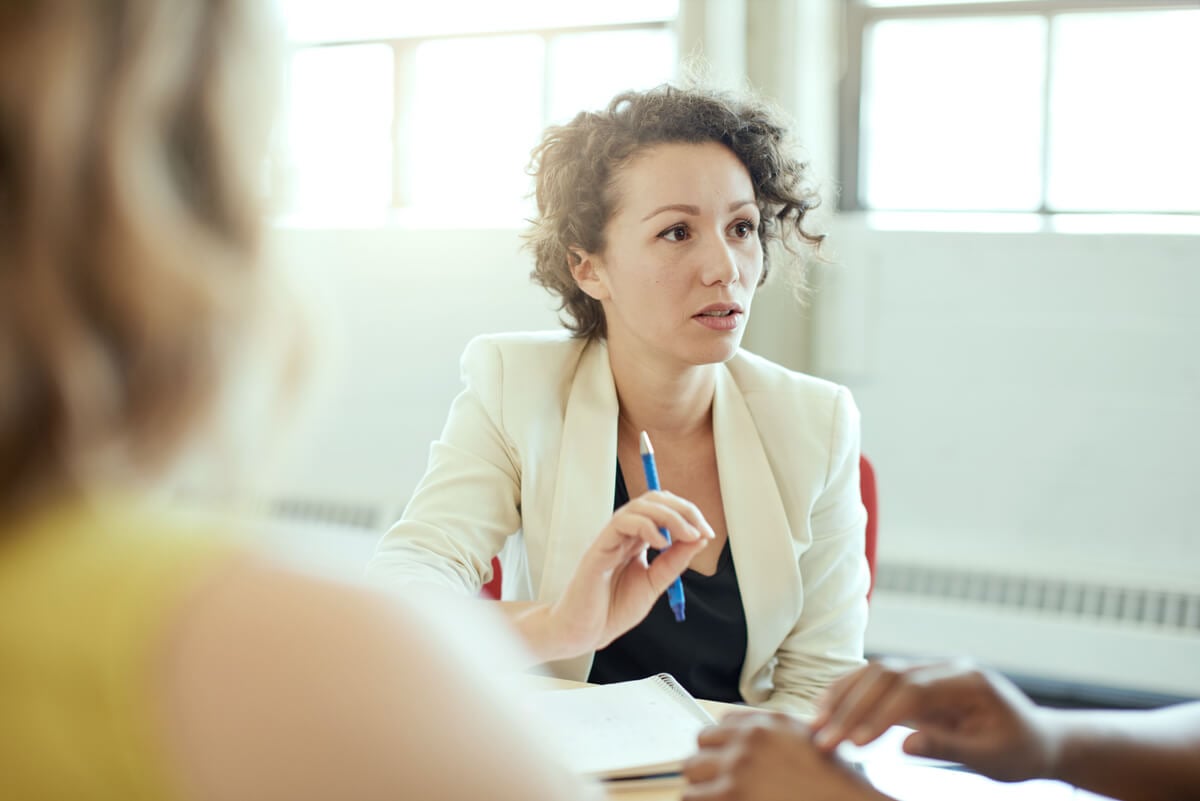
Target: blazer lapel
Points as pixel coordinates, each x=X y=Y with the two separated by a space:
x=587 y=464
x=759 y=536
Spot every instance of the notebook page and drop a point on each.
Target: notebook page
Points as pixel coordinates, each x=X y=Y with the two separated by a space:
x=625 y=729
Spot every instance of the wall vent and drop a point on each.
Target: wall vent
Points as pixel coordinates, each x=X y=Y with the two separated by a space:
x=1126 y=605
x=314 y=510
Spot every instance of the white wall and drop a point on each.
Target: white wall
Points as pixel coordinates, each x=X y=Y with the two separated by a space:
x=393 y=310
x=1030 y=402
x=1026 y=392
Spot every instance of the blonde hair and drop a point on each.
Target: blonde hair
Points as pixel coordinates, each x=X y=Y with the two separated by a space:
x=130 y=138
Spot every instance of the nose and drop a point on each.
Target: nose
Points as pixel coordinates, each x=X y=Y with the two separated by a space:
x=720 y=264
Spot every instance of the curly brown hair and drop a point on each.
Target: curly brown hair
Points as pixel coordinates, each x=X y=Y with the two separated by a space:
x=576 y=164
x=130 y=153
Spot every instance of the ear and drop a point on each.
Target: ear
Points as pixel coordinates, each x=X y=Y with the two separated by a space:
x=588 y=271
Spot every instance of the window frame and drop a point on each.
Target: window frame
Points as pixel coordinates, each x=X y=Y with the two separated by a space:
x=861 y=14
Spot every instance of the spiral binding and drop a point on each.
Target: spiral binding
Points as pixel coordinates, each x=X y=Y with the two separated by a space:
x=671 y=684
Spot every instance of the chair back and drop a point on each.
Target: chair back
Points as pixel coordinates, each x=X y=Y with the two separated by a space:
x=866 y=478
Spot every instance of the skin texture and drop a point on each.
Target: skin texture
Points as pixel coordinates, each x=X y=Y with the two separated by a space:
x=683 y=236
x=960 y=713
x=278 y=686
x=614 y=587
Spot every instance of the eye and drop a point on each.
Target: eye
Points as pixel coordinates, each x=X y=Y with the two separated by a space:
x=743 y=229
x=676 y=233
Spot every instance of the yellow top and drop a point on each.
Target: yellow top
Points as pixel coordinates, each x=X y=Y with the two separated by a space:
x=86 y=597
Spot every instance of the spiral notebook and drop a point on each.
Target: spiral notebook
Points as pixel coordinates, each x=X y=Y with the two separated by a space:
x=622 y=731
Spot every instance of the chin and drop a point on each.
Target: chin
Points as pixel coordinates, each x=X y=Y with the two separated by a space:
x=715 y=352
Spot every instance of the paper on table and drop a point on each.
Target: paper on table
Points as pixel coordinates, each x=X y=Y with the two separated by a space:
x=912 y=778
x=888 y=747
x=631 y=728
x=911 y=782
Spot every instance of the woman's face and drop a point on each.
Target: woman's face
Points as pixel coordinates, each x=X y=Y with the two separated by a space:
x=682 y=256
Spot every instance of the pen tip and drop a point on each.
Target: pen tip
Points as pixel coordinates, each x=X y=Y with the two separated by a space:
x=646 y=448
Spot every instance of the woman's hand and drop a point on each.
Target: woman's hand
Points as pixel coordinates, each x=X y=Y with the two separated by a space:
x=768 y=756
x=960 y=713
x=614 y=586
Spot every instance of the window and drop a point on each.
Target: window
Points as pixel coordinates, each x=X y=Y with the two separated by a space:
x=432 y=113
x=1023 y=105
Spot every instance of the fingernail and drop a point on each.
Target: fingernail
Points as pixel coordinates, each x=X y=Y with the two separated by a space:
x=860 y=735
x=823 y=738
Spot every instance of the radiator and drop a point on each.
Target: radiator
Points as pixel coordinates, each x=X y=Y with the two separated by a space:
x=1122 y=636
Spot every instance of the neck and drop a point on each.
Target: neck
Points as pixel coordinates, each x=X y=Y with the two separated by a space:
x=668 y=403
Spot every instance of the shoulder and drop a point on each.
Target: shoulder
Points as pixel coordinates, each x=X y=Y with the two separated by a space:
x=800 y=416
x=523 y=350
x=520 y=372
x=266 y=664
x=762 y=381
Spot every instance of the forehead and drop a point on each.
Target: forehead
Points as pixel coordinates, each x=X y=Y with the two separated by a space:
x=699 y=174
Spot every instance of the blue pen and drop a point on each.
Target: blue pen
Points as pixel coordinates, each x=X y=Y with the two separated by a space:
x=675 y=591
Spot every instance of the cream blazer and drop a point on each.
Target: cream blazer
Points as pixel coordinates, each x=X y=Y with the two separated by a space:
x=525 y=468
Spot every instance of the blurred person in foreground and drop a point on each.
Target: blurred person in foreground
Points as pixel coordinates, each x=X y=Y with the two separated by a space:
x=142 y=657
x=960 y=713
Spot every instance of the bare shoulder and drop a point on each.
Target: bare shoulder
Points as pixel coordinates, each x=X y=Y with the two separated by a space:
x=282 y=685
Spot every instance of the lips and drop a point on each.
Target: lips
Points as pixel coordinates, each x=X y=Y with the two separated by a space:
x=719 y=310
x=720 y=317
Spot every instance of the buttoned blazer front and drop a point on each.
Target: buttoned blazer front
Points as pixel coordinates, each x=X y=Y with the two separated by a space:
x=525 y=468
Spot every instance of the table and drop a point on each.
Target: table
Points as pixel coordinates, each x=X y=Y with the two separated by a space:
x=903 y=777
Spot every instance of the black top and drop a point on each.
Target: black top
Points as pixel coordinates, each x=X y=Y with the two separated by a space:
x=705 y=652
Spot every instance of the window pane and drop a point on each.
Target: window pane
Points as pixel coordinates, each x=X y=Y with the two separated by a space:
x=631 y=59
x=476 y=115
x=898 y=3
x=325 y=21
x=1125 y=114
x=338 y=152
x=952 y=114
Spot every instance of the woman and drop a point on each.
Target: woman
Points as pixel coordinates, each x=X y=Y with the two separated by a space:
x=141 y=657
x=653 y=222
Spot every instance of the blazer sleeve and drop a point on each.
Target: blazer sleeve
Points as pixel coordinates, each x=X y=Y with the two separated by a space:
x=468 y=502
x=827 y=640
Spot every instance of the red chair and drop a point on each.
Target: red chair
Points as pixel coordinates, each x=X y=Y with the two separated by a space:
x=870 y=501
x=866 y=480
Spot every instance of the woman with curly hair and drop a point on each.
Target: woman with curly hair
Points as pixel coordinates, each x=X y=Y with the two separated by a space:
x=653 y=225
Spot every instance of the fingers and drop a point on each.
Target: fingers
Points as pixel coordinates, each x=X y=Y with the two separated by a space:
x=934 y=697
x=670 y=563
x=932 y=746
x=715 y=742
x=831 y=700
x=703 y=766
x=721 y=734
x=859 y=712
x=680 y=517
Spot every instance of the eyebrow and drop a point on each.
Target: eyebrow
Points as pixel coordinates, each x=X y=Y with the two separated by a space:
x=694 y=210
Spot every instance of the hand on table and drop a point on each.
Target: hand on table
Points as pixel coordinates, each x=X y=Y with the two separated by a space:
x=768 y=756
x=960 y=713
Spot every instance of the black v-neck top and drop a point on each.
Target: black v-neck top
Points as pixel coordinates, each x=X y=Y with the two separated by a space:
x=705 y=652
